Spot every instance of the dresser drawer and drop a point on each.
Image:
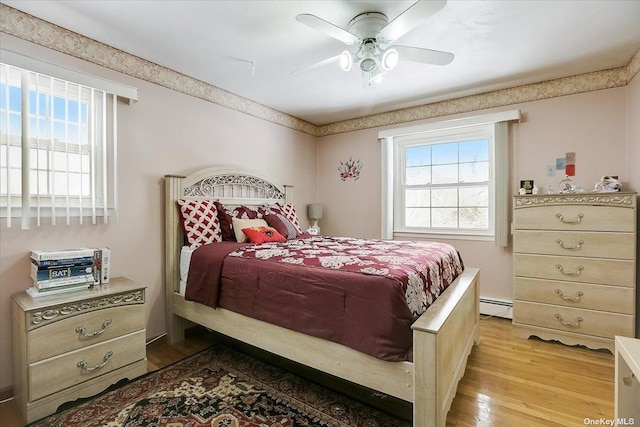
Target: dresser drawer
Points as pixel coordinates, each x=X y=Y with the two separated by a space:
x=105 y=324
x=578 y=295
x=576 y=243
x=589 y=322
x=576 y=218
x=588 y=270
x=60 y=372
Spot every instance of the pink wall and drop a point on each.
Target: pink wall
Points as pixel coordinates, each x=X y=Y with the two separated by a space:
x=164 y=132
x=594 y=125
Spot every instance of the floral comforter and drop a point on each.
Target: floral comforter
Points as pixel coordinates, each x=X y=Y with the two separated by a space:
x=424 y=269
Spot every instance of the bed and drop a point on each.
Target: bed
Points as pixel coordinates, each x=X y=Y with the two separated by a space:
x=442 y=337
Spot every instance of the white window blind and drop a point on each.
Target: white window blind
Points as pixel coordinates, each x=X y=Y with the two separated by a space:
x=58 y=142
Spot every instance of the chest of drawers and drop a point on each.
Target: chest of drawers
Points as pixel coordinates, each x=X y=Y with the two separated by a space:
x=575 y=267
x=75 y=345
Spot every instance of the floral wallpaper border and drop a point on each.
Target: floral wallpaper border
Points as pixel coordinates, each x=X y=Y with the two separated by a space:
x=35 y=30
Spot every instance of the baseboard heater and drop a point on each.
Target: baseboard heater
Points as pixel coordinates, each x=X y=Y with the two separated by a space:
x=496 y=308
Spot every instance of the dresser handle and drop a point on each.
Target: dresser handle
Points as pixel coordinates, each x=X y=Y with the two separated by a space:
x=577 y=298
x=578 y=245
x=83 y=331
x=570 y=273
x=578 y=220
x=573 y=324
x=83 y=363
x=628 y=381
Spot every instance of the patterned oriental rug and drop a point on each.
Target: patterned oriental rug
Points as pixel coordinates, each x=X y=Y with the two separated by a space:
x=220 y=387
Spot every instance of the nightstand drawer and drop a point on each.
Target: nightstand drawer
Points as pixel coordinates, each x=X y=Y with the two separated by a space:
x=578 y=295
x=100 y=325
x=575 y=218
x=589 y=322
x=574 y=269
x=575 y=243
x=57 y=373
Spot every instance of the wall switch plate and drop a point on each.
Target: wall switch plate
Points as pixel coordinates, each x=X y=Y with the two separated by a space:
x=551 y=170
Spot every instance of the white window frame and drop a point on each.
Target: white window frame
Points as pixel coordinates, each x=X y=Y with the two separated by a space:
x=393 y=164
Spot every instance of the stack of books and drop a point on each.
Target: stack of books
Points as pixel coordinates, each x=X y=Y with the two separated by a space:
x=67 y=270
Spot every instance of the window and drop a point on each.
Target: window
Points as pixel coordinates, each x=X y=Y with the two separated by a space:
x=57 y=146
x=443 y=182
x=445 y=179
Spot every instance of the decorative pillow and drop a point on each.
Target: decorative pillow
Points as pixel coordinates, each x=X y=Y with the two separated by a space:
x=287 y=212
x=226 y=214
x=282 y=225
x=200 y=222
x=263 y=235
x=239 y=224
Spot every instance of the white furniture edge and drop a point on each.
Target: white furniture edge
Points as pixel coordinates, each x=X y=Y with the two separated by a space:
x=443 y=336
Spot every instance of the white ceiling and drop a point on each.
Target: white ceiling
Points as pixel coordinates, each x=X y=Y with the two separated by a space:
x=497 y=44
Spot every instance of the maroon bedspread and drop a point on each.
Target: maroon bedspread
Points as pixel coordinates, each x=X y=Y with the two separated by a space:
x=317 y=286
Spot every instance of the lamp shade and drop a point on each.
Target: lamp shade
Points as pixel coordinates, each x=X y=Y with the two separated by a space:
x=314 y=211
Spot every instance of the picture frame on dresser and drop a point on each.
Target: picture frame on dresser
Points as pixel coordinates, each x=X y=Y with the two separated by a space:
x=575 y=267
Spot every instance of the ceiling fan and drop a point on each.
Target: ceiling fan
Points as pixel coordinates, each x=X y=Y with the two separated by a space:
x=373 y=35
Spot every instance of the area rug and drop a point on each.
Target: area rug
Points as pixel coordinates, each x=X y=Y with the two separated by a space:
x=221 y=387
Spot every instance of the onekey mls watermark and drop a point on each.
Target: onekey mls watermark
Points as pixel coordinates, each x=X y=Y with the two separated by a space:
x=609 y=421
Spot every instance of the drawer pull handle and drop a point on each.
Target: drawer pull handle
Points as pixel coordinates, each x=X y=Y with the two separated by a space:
x=570 y=273
x=570 y=247
x=577 y=298
x=628 y=381
x=83 y=331
x=84 y=365
x=578 y=220
x=573 y=324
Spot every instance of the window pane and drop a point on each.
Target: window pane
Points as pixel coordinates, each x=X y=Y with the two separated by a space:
x=474 y=196
x=417 y=198
x=445 y=153
x=474 y=172
x=473 y=151
x=444 y=197
x=417 y=217
x=418 y=156
x=444 y=217
x=477 y=218
x=445 y=174
x=418 y=175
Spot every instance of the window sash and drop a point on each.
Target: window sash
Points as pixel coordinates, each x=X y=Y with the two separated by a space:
x=452 y=216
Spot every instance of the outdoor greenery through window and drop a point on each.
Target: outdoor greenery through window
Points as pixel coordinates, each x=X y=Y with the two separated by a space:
x=53 y=146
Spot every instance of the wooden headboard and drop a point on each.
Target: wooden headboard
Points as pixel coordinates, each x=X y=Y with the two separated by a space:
x=232 y=186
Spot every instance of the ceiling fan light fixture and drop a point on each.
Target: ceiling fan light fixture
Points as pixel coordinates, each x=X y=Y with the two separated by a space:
x=346 y=60
x=389 y=59
x=367 y=65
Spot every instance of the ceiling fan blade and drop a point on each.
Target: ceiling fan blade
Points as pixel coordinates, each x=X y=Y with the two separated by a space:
x=328 y=28
x=426 y=56
x=409 y=19
x=317 y=65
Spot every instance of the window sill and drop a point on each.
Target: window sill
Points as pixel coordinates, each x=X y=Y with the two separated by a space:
x=441 y=236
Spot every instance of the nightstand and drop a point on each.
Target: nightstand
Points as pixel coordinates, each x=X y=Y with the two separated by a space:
x=74 y=345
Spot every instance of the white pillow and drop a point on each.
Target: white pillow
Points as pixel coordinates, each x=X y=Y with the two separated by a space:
x=239 y=224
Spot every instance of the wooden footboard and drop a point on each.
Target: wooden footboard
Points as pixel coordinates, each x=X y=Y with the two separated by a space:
x=443 y=339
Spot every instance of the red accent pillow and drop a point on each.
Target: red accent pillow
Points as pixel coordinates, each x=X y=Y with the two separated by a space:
x=200 y=222
x=226 y=215
x=263 y=235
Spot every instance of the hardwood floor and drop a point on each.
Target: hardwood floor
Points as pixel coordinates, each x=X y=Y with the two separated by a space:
x=508 y=381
